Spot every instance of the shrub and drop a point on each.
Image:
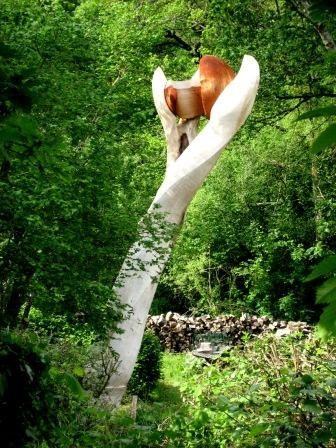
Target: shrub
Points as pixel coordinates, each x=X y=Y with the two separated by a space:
x=147 y=370
x=275 y=393
x=36 y=399
x=24 y=394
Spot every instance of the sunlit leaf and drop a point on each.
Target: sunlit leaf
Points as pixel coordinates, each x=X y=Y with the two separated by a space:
x=258 y=429
x=327 y=323
x=326 y=139
x=327 y=291
x=320 y=112
x=326 y=266
x=79 y=371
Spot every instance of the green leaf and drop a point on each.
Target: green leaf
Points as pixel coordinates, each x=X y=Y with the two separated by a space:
x=258 y=429
x=320 y=112
x=126 y=442
x=73 y=384
x=326 y=293
x=5 y=51
x=9 y=134
x=323 y=436
x=324 y=267
x=311 y=405
x=332 y=383
x=79 y=371
x=53 y=372
x=222 y=401
x=327 y=323
x=307 y=379
x=333 y=429
x=69 y=380
x=26 y=125
x=325 y=139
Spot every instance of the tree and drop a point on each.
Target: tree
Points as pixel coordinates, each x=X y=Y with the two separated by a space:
x=249 y=249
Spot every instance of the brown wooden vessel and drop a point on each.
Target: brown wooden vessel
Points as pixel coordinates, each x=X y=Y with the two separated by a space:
x=195 y=97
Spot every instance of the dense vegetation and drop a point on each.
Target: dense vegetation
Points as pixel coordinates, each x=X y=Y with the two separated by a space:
x=275 y=393
x=82 y=154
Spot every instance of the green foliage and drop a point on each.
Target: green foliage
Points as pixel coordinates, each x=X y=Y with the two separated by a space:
x=147 y=369
x=326 y=295
x=326 y=139
x=77 y=169
x=24 y=395
x=266 y=215
x=154 y=415
x=33 y=394
x=250 y=234
x=82 y=154
x=274 y=393
x=320 y=112
x=326 y=266
x=58 y=328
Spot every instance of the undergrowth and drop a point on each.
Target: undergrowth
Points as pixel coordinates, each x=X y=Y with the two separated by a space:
x=268 y=393
x=276 y=392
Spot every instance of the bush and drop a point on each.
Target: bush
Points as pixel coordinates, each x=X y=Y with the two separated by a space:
x=147 y=370
x=276 y=393
x=37 y=400
x=25 y=398
x=42 y=404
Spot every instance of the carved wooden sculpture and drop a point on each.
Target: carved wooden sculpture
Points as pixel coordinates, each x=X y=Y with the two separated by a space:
x=195 y=97
x=190 y=157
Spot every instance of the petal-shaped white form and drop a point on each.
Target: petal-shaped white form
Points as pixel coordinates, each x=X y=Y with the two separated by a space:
x=185 y=174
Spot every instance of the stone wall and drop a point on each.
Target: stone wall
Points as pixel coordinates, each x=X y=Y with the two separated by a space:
x=177 y=332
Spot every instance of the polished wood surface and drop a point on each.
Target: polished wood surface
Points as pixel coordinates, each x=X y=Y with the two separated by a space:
x=190 y=99
x=215 y=75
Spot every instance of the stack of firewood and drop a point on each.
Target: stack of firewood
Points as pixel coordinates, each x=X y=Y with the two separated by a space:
x=177 y=332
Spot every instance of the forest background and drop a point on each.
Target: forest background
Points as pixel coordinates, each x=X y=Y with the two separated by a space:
x=82 y=154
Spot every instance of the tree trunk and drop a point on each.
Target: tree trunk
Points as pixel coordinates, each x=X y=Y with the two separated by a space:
x=18 y=295
x=186 y=171
x=303 y=9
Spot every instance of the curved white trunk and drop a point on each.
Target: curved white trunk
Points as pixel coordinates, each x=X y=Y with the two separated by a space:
x=185 y=174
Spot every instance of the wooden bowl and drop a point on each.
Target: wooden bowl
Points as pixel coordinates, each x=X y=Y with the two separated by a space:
x=193 y=98
x=215 y=75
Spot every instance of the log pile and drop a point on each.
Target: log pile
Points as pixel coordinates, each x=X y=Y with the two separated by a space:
x=177 y=332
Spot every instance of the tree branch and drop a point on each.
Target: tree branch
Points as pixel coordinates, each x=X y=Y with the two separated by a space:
x=272 y=119
x=194 y=51
x=307 y=96
x=302 y=8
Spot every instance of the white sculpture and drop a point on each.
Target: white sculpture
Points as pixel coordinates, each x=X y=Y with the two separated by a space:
x=186 y=172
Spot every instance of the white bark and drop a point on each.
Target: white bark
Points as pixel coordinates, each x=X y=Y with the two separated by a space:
x=185 y=174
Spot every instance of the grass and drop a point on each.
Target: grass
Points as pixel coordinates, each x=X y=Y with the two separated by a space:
x=173 y=366
x=266 y=393
x=154 y=414
x=166 y=397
